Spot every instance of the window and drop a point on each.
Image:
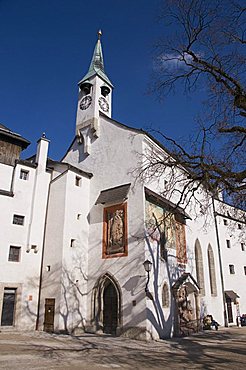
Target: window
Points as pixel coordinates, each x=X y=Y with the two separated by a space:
x=14 y=254
x=244 y=267
x=72 y=243
x=199 y=267
x=18 y=220
x=78 y=181
x=24 y=174
x=231 y=269
x=115 y=231
x=243 y=247
x=239 y=226
x=228 y=243
x=225 y=222
x=34 y=248
x=78 y=216
x=211 y=267
x=165 y=296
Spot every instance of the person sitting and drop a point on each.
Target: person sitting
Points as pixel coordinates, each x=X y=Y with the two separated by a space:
x=209 y=323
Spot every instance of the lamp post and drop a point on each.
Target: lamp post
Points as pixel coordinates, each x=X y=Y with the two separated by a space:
x=147 y=266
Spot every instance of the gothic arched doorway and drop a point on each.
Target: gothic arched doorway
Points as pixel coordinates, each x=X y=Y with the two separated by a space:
x=106 y=315
x=110 y=309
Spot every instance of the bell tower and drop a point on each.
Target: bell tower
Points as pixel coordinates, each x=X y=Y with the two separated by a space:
x=95 y=95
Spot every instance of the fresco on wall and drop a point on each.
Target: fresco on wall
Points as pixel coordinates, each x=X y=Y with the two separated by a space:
x=160 y=223
x=165 y=228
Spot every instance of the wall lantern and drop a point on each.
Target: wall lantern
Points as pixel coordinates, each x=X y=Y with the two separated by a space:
x=147 y=266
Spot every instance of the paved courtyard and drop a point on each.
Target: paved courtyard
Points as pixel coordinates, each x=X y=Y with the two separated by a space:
x=225 y=349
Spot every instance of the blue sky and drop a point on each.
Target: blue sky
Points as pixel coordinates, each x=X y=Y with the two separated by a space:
x=45 y=49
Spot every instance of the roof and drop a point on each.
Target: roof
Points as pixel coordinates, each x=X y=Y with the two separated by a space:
x=231 y=295
x=97 y=65
x=185 y=278
x=51 y=164
x=114 y=195
x=12 y=136
x=133 y=129
x=170 y=206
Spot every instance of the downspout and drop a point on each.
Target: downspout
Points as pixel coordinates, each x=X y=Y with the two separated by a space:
x=42 y=258
x=220 y=263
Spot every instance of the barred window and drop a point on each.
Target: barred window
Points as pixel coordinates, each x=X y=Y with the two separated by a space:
x=232 y=269
x=18 y=220
x=24 y=174
x=14 y=254
x=78 y=181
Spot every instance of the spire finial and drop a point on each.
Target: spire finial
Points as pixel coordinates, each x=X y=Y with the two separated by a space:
x=99 y=33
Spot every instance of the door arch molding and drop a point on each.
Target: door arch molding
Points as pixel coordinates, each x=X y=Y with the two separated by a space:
x=98 y=301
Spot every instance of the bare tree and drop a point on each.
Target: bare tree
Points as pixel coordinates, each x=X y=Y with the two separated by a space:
x=203 y=48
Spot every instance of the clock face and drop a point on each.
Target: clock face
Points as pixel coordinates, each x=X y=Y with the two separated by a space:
x=85 y=102
x=103 y=104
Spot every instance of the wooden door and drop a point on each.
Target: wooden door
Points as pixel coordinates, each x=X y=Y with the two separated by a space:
x=49 y=314
x=110 y=309
x=229 y=310
x=8 y=310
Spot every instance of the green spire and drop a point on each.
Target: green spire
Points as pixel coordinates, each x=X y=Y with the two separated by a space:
x=97 y=65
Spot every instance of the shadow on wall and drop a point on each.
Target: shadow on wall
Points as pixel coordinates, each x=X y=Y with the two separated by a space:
x=67 y=287
x=73 y=301
x=164 y=327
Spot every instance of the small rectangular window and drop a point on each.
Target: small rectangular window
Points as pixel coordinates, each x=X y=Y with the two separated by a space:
x=243 y=247
x=18 y=220
x=244 y=270
x=225 y=222
x=14 y=254
x=78 y=216
x=34 y=248
x=24 y=174
x=231 y=269
x=78 y=181
x=239 y=226
x=228 y=243
x=72 y=243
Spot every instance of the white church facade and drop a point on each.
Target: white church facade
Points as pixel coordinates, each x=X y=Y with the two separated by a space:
x=75 y=235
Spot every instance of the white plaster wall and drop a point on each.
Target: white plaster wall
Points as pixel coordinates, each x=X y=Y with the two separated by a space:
x=75 y=258
x=201 y=227
x=6 y=173
x=66 y=280
x=51 y=280
x=233 y=255
x=23 y=275
x=112 y=159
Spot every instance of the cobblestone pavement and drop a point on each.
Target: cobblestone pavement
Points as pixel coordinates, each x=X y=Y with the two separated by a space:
x=225 y=349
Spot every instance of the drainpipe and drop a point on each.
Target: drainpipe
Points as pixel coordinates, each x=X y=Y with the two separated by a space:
x=220 y=263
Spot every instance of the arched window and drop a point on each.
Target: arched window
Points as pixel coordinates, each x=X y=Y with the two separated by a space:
x=165 y=296
x=199 y=267
x=211 y=268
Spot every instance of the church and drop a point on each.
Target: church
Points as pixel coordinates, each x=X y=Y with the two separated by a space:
x=88 y=245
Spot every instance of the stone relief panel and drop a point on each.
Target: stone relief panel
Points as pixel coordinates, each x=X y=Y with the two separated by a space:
x=115 y=231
